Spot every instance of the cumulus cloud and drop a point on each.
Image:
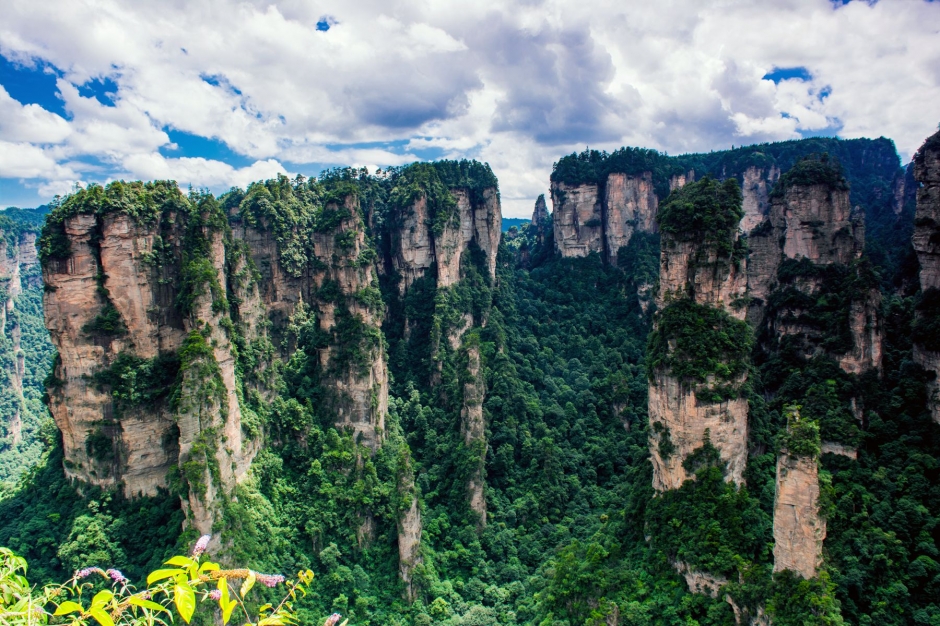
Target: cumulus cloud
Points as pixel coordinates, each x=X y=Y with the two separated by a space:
x=287 y=85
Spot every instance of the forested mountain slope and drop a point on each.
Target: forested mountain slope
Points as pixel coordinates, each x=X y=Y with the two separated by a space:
x=361 y=374
x=25 y=351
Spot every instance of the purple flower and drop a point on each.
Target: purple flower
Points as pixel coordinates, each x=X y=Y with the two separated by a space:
x=215 y=594
x=85 y=572
x=117 y=576
x=201 y=546
x=269 y=580
x=332 y=620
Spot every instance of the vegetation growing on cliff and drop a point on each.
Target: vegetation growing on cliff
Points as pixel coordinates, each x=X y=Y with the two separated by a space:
x=704 y=211
x=700 y=345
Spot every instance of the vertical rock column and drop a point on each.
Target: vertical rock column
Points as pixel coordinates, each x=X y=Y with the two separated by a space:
x=701 y=275
x=927 y=245
x=799 y=530
x=352 y=311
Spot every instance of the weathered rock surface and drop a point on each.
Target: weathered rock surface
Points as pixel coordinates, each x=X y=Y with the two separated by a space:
x=473 y=427
x=360 y=391
x=578 y=220
x=756 y=184
x=630 y=203
x=799 y=531
x=677 y=409
x=926 y=242
x=927 y=218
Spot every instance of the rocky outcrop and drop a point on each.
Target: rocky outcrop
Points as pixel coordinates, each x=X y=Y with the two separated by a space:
x=540 y=220
x=926 y=237
x=799 y=530
x=473 y=428
x=926 y=241
x=684 y=416
x=630 y=203
x=590 y=218
x=416 y=248
x=813 y=222
x=112 y=304
x=689 y=422
x=409 y=532
x=577 y=219
x=756 y=184
x=359 y=390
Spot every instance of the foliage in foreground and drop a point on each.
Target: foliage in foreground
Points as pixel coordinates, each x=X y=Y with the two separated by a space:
x=191 y=586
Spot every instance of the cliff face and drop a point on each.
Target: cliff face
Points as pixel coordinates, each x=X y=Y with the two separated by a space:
x=588 y=219
x=926 y=241
x=578 y=219
x=756 y=185
x=809 y=228
x=111 y=308
x=703 y=273
x=798 y=529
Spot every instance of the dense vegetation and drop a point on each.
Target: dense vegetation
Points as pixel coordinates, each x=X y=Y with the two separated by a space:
x=23 y=336
x=573 y=532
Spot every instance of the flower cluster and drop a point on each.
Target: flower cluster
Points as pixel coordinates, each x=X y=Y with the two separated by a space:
x=85 y=572
x=332 y=620
x=215 y=594
x=269 y=580
x=117 y=576
x=201 y=546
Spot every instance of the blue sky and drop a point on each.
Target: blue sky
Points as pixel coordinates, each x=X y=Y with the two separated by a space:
x=215 y=95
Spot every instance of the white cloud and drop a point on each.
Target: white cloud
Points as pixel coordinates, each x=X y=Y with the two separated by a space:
x=515 y=83
x=30 y=122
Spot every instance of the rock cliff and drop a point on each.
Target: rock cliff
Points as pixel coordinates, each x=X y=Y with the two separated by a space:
x=591 y=218
x=799 y=530
x=810 y=242
x=462 y=250
x=702 y=276
x=146 y=385
x=926 y=241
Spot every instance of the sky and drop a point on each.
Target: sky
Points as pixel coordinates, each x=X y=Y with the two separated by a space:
x=216 y=93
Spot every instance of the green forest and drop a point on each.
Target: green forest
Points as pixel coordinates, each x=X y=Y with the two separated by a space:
x=573 y=533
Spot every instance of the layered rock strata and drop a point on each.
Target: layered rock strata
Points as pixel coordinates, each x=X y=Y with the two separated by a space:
x=814 y=224
x=799 y=530
x=926 y=242
x=590 y=219
x=684 y=415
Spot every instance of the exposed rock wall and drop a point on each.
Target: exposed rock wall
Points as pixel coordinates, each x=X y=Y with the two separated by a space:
x=132 y=270
x=682 y=412
x=927 y=219
x=756 y=184
x=817 y=224
x=590 y=218
x=799 y=530
x=687 y=419
x=578 y=218
x=927 y=245
x=630 y=205
x=359 y=390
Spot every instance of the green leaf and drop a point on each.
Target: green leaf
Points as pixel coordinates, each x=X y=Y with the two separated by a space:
x=147 y=604
x=182 y=561
x=185 y=599
x=248 y=584
x=68 y=607
x=209 y=566
x=103 y=618
x=160 y=574
x=227 y=611
x=101 y=598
